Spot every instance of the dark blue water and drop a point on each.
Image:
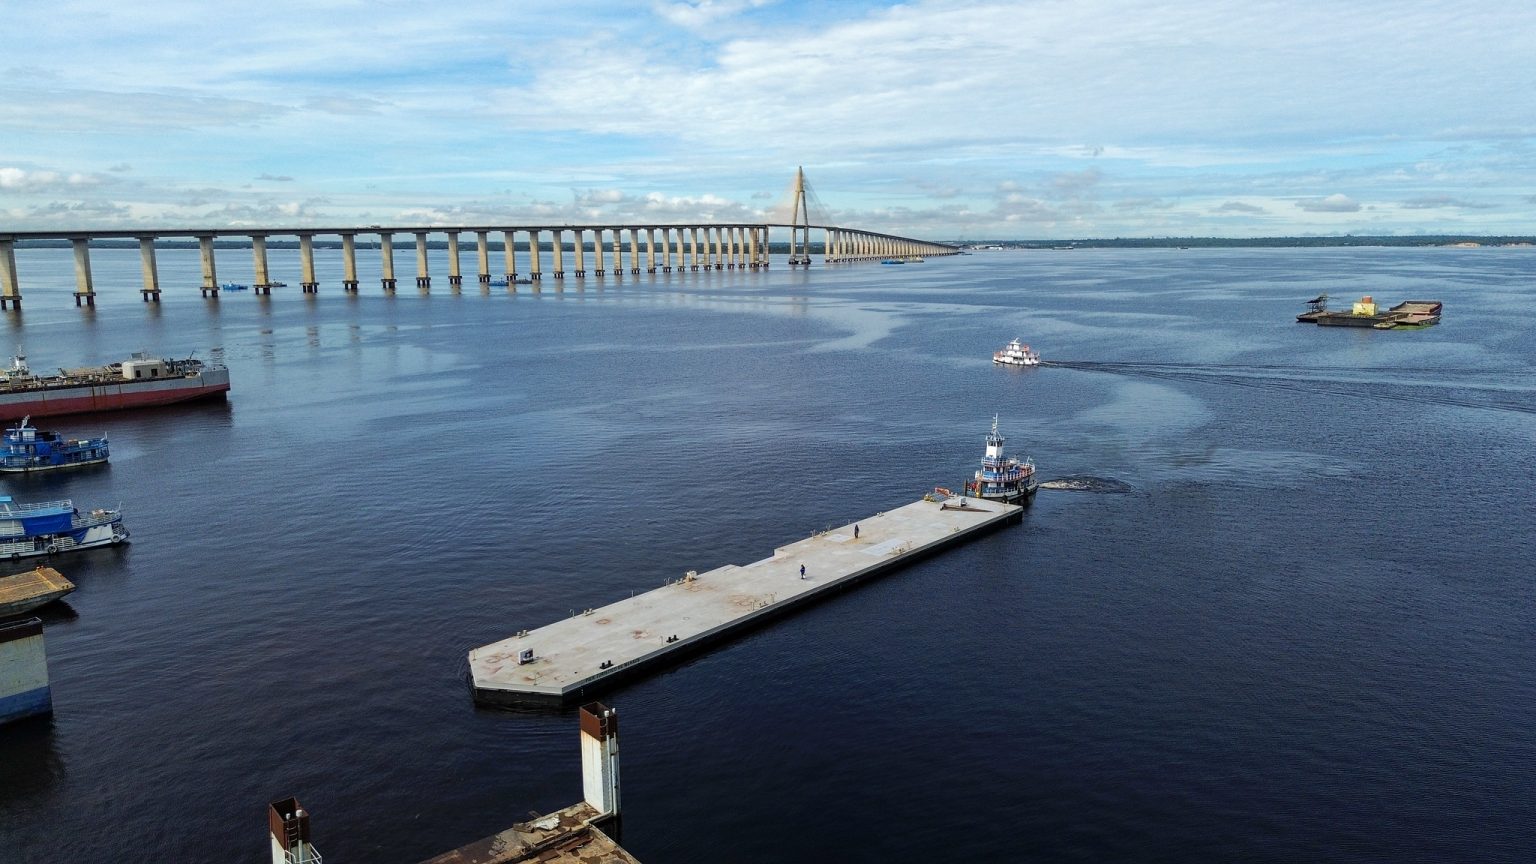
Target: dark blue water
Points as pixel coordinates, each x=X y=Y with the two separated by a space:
x=1307 y=634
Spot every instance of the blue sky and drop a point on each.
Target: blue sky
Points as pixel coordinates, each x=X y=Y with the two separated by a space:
x=932 y=119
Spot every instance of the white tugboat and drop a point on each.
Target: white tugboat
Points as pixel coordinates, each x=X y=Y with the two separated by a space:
x=1003 y=478
x=1016 y=353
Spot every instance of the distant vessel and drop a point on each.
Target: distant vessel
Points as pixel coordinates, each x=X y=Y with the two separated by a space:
x=137 y=382
x=23 y=592
x=1003 y=478
x=233 y=286
x=893 y=261
x=27 y=530
x=25 y=449
x=1364 y=313
x=1016 y=353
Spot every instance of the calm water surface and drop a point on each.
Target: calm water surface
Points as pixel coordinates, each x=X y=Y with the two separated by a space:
x=1306 y=635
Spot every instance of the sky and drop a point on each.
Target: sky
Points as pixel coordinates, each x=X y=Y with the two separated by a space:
x=934 y=119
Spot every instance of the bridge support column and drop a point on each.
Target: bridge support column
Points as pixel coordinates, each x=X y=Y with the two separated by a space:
x=509 y=253
x=581 y=253
x=455 y=278
x=719 y=248
x=307 y=281
x=535 y=271
x=618 y=252
x=598 y=256
x=151 y=290
x=557 y=253
x=349 y=262
x=423 y=278
x=210 y=286
x=84 y=290
x=483 y=257
x=650 y=250
x=666 y=249
x=693 y=248
x=387 y=262
x=634 y=251
x=262 y=283
x=10 y=286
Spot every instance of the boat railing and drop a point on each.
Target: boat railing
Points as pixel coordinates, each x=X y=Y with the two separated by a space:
x=19 y=509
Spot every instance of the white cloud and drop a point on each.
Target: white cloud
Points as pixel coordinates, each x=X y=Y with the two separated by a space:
x=1335 y=203
x=656 y=108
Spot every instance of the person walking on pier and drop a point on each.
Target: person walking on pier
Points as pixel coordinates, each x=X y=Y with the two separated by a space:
x=855 y=532
x=802 y=571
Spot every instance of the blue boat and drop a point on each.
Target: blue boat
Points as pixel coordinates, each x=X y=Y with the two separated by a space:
x=25 y=449
x=234 y=286
x=52 y=527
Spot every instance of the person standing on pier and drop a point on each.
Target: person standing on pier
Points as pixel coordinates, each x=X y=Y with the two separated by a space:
x=802 y=571
x=855 y=532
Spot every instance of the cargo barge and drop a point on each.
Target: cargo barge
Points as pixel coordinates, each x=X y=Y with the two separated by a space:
x=1407 y=314
x=137 y=382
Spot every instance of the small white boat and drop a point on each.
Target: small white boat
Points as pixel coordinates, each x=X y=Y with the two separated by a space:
x=1016 y=353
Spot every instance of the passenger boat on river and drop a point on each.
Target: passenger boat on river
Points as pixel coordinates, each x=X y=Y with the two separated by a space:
x=51 y=527
x=24 y=449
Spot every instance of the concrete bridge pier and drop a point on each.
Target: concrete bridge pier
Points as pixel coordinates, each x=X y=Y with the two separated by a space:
x=483 y=257
x=581 y=255
x=509 y=252
x=535 y=264
x=84 y=291
x=650 y=250
x=598 y=267
x=151 y=290
x=666 y=249
x=752 y=249
x=307 y=280
x=719 y=248
x=692 y=255
x=309 y=283
x=210 y=286
x=263 y=281
x=634 y=251
x=387 y=261
x=618 y=252
x=455 y=278
x=423 y=278
x=10 y=288
x=349 y=262
x=557 y=250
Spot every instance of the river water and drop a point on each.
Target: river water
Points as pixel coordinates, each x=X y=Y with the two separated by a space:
x=1305 y=633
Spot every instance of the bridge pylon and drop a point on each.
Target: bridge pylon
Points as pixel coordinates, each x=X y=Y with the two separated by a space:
x=800 y=222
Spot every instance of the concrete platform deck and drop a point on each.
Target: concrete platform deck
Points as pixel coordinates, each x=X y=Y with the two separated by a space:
x=578 y=657
x=568 y=836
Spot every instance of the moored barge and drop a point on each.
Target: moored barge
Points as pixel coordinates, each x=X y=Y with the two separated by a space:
x=1365 y=313
x=138 y=382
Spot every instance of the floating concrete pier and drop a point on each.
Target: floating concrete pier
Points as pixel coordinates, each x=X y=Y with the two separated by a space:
x=578 y=657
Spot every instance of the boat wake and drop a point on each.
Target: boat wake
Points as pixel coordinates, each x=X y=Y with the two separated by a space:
x=1488 y=389
x=1087 y=483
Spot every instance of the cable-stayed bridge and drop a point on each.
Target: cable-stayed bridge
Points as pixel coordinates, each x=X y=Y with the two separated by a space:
x=500 y=254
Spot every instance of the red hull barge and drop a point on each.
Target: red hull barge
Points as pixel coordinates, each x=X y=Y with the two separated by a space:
x=138 y=382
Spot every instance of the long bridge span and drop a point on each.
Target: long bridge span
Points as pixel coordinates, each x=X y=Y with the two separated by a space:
x=595 y=250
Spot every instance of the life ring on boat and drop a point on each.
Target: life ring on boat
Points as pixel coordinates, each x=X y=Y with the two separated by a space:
x=15 y=555
x=52 y=548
